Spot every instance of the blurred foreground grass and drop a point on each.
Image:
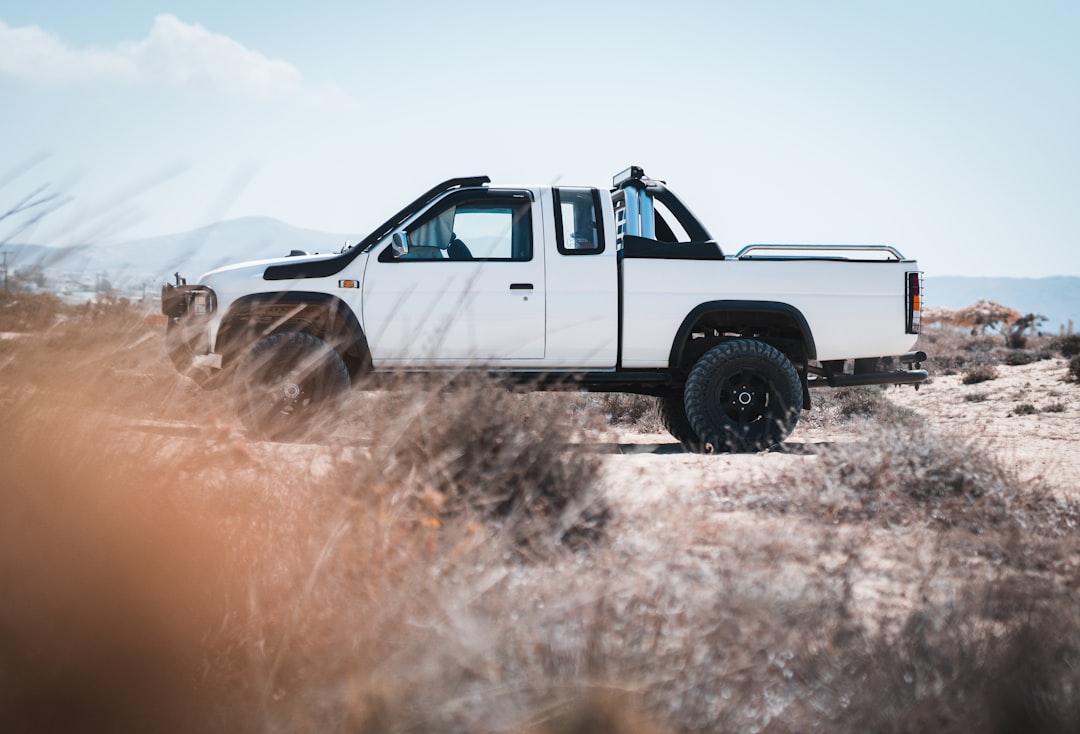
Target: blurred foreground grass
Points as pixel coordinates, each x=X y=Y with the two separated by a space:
x=457 y=564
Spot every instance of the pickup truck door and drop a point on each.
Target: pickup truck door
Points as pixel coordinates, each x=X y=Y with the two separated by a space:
x=470 y=290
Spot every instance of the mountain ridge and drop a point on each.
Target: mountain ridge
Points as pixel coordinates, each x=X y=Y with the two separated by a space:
x=193 y=252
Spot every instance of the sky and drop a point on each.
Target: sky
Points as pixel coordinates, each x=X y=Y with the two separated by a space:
x=949 y=129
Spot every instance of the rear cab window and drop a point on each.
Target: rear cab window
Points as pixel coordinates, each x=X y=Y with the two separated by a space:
x=579 y=227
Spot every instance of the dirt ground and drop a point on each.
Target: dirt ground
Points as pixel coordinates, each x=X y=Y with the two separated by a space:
x=1040 y=442
x=653 y=483
x=761 y=554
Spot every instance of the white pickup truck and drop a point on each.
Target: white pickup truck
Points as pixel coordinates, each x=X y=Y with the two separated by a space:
x=557 y=287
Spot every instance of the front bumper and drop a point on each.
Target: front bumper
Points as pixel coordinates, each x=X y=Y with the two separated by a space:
x=190 y=309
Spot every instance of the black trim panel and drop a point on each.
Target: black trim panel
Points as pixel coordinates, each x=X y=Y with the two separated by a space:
x=642 y=247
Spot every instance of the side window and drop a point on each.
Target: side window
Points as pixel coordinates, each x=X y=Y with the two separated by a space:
x=578 y=223
x=489 y=228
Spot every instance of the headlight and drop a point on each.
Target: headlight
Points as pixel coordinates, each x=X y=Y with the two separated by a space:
x=202 y=302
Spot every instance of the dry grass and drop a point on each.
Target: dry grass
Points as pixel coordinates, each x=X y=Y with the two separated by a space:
x=1018 y=357
x=448 y=563
x=22 y=312
x=847 y=405
x=978 y=373
x=1067 y=346
x=638 y=413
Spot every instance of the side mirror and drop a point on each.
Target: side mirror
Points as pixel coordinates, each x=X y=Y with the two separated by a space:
x=400 y=243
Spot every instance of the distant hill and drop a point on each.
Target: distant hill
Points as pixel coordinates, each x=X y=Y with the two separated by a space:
x=128 y=264
x=1057 y=298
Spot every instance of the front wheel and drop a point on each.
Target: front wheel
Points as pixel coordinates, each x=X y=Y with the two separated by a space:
x=285 y=383
x=743 y=395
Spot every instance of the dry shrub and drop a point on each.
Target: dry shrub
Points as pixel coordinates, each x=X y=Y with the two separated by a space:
x=1018 y=357
x=27 y=312
x=945 y=349
x=625 y=411
x=979 y=373
x=900 y=477
x=913 y=476
x=1067 y=346
x=952 y=352
x=477 y=451
x=193 y=581
x=603 y=713
x=871 y=402
x=844 y=405
x=639 y=412
x=1074 y=367
x=112 y=353
x=1003 y=657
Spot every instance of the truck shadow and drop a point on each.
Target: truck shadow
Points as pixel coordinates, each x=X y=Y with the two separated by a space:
x=798 y=448
x=173 y=429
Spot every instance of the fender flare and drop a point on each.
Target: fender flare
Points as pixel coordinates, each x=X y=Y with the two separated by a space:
x=334 y=305
x=682 y=336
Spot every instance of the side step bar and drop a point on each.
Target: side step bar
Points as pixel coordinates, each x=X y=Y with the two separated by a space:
x=642 y=382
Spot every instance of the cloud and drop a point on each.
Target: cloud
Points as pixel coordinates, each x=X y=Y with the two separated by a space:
x=35 y=55
x=173 y=53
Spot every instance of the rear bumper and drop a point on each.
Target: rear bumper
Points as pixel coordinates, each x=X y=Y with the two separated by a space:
x=870 y=372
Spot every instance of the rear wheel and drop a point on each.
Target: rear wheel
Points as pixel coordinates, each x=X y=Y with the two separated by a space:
x=673 y=417
x=743 y=395
x=285 y=385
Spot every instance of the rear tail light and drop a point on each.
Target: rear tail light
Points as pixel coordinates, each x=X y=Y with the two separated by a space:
x=914 y=302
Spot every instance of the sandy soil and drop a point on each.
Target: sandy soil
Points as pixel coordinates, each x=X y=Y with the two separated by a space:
x=1043 y=445
x=652 y=483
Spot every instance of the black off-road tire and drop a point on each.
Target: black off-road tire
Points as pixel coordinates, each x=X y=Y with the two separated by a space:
x=672 y=410
x=286 y=384
x=743 y=396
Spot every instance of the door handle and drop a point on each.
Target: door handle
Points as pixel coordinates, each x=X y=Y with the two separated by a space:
x=521 y=286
